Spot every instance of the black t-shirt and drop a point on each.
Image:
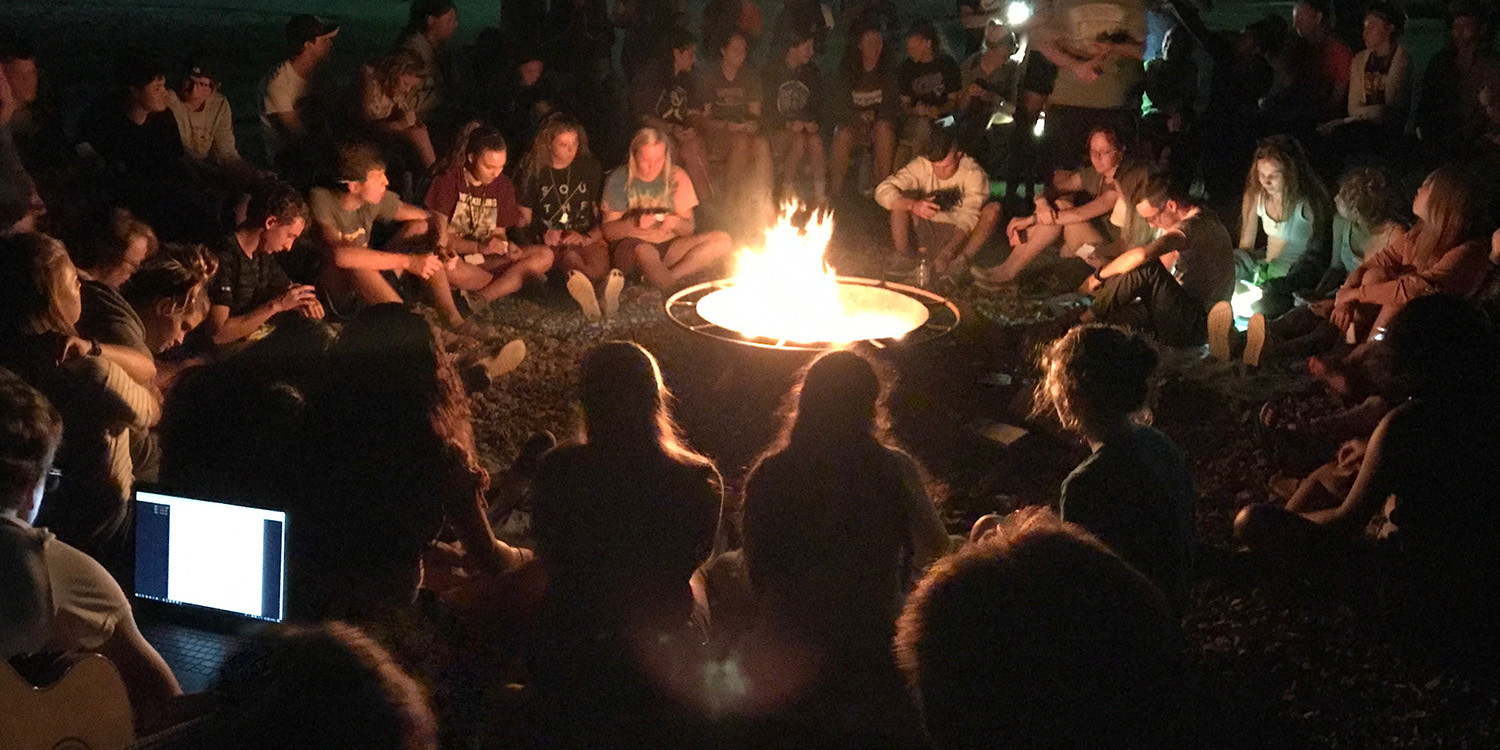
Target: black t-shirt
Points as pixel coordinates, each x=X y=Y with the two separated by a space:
x=792 y=94
x=872 y=96
x=1136 y=494
x=931 y=82
x=565 y=199
x=151 y=148
x=245 y=283
x=667 y=96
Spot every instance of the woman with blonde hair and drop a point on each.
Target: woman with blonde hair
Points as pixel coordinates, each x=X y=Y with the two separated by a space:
x=1285 y=201
x=559 y=196
x=1445 y=251
x=648 y=216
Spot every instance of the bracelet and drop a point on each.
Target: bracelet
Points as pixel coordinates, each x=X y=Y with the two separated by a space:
x=94 y=348
x=1096 y=275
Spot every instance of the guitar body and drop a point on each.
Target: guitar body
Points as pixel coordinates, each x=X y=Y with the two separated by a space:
x=85 y=710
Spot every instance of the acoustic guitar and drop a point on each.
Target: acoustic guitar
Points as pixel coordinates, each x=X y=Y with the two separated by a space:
x=86 y=709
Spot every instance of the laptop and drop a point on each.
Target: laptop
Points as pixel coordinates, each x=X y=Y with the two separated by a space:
x=207 y=573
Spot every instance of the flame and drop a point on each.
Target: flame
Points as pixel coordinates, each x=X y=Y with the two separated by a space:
x=786 y=291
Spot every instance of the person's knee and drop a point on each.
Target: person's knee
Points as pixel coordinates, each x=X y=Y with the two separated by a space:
x=990 y=212
x=717 y=241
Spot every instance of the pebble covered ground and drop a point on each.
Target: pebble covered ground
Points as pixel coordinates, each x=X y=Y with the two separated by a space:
x=1281 y=663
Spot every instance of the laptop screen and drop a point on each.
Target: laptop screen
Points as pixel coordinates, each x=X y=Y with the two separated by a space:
x=210 y=554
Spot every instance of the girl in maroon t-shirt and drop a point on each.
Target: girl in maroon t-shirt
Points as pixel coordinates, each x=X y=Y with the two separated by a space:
x=475 y=204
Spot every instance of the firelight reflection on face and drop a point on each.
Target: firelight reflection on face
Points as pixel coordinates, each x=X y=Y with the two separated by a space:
x=650 y=159
x=948 y=166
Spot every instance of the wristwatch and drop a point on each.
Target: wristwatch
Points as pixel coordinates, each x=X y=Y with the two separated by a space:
x=94 y=348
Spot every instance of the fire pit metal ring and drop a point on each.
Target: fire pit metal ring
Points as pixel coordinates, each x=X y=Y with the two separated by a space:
x=942 y=317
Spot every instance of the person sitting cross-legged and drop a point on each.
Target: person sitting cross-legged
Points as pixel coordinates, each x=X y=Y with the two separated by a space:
x=1076 y=210
x=1176 y=278
x=939 y=197
x=648 y=215
x=474 y=204
x=345 y=218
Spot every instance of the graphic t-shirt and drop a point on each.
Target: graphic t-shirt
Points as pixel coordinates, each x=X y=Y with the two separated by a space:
x=730 y=100
x=792 y=95
x=872 y=96
x=623 y=195
x=353 y=227
x=667 y=96
x=1376 y=70
x=930 y=82
x=474 y=211
x=566 y=198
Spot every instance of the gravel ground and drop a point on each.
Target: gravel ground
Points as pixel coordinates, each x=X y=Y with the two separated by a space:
x=1281 y=663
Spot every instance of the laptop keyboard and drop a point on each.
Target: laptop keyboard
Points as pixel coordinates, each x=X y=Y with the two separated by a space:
x=190 y=650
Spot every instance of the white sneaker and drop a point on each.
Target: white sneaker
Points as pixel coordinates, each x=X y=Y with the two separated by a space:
x=612 y=286
x=1255 y=340
x=1220 y=323
x=582 y=291
x=507 y=359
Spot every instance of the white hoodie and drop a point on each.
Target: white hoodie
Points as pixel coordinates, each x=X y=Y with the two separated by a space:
x=917 y=176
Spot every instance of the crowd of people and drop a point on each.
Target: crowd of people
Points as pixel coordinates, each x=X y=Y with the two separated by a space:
x=177 y=311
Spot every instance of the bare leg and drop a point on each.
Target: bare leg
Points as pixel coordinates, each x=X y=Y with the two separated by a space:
x=442 y=296
x=370 y=286
x=649 y=260
x=1077 y=235
x=1038 y=238
x=790 y=163
x=884 y=137
x=901 y=231
x=422 y=142
x=689 y=255
x=592 y=259
x=814 y=149
x=989 y=217
x=838 y=163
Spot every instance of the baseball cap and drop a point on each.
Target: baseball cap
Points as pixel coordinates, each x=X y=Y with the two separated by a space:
x=304 y=28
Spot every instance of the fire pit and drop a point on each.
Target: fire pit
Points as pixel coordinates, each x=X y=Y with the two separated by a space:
x=784 y=296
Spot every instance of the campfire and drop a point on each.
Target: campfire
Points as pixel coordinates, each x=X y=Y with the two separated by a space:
x=785 y=295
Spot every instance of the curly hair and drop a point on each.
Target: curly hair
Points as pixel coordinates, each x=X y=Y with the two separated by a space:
x=1367 y=193
x=400 y=62
x=539 y=156
x=1094 y=376
x=274 y=200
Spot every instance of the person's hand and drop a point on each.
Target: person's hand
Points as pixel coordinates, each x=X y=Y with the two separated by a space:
x=925 y=208
x=1321 y=308
x=552 y=237
x=1089 y=285
x=312 y=309
x=1495 y=247
x=409 y=119
x=1346 y=297
x=495 y=246
x=296 y=296
x=1046 y=213
x=1342 y=316
x=647 y=221
x=571 y=237
x=70 y=348
x=423 y=266
x=1016 y=226
x=669 y=222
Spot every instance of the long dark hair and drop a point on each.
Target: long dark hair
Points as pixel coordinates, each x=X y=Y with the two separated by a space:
x=421 y=10
x=474 y=139
x=835 y=413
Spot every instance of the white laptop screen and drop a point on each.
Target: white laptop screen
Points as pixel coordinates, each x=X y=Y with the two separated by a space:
x=209 y=554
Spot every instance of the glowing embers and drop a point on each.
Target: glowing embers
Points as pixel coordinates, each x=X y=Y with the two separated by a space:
x=785 y=292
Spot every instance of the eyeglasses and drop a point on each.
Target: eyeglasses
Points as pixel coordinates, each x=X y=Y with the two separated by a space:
x=54 y=478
